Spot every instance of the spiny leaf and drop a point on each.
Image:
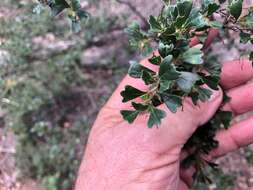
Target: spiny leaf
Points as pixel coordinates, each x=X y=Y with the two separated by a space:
x=131 y=93
x=156 y=115
x=129 y=115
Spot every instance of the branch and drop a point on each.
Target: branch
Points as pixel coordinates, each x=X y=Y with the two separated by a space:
x=135 y=11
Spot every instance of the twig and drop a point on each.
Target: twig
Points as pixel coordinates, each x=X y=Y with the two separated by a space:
x=134 y=10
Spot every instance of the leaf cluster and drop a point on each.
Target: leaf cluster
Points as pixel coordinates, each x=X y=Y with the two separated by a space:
x=181 y=68
x=75 y=11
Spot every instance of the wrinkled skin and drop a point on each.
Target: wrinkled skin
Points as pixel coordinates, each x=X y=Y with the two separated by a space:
x=133 y=157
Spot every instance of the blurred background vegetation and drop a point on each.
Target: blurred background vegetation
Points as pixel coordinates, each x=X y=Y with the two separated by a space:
x=52 y=84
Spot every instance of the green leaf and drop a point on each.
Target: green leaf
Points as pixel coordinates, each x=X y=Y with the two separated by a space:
x=225 y=98
x=170 y=13
x=164 y=85
x=210 y=7
x=58 y=6
x=156 y=115
x=173 y=102
x=202 y=38
x=139 y=107
x=225 y=118
x=165 y=65
x=165 y=49
x=187 y=80
x=184 y=8
x=213 y=66
x=134 y=31
x=147 y=77
x=75 y=5
x=235 y=8
x=82 y=14
x=131 y=93
x=167 y=70
x=154 y=24
x=136 y=70
x=195 y=20
x=129 y=115
x=138 y=38
x=193 y=55
x=216 y=24
x=195 y=97
x=204 y=94
x=247 y=21
x=245 y=37
x=169 y=33
x=155 y=60
x=212 y=81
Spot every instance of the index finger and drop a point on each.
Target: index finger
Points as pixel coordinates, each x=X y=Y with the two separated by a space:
x=237 y=136
x=235 y=73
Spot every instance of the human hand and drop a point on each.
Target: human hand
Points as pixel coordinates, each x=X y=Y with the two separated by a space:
x=124 y=156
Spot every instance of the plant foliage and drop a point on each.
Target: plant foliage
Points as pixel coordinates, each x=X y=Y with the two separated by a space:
x=75 y=11
x=181 y=67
